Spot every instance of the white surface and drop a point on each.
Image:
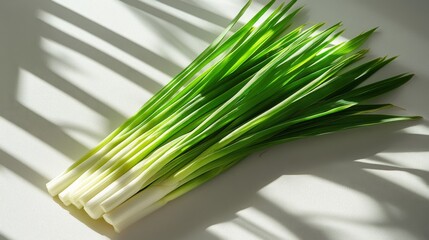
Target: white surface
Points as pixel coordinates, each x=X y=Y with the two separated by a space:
x=71 y=71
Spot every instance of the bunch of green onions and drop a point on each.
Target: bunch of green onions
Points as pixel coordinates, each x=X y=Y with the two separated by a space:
x=257 y=87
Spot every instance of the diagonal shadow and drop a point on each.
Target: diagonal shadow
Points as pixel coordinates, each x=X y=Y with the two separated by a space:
x=77 y=128
x=414 y=207
x=197 y=12
x=421 y=174
x=158 y=27
x=255 y=229
x=36 y=125
x=2 y=237
x=31 y=176
x=99 y=225
x=115 y=39
x=21 y=49
x=412 y=16
x=294 y=223
x=102 y=57
x=85 y=98
x=200 y=33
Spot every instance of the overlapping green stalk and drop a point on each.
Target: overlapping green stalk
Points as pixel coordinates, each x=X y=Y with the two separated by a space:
x=261 y=86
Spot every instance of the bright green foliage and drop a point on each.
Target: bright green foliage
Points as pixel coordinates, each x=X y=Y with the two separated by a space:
x=261 y=86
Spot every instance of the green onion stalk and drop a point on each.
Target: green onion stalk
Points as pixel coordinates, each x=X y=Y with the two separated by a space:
x=257 y=87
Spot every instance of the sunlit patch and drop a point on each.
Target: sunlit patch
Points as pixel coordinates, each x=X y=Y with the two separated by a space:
x=349 y=228
x=160 y=37
x=421 y=129
x=108 y=73
x=252 y=223
x=188 y=18
x=73 y=117
x=229 y=10
x=305 y=195
x=402 y=160
x=231 y=230
x=407 y=179
x=98 y=81
x=266 y=226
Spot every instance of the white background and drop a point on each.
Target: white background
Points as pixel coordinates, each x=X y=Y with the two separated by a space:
x=71 y=71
